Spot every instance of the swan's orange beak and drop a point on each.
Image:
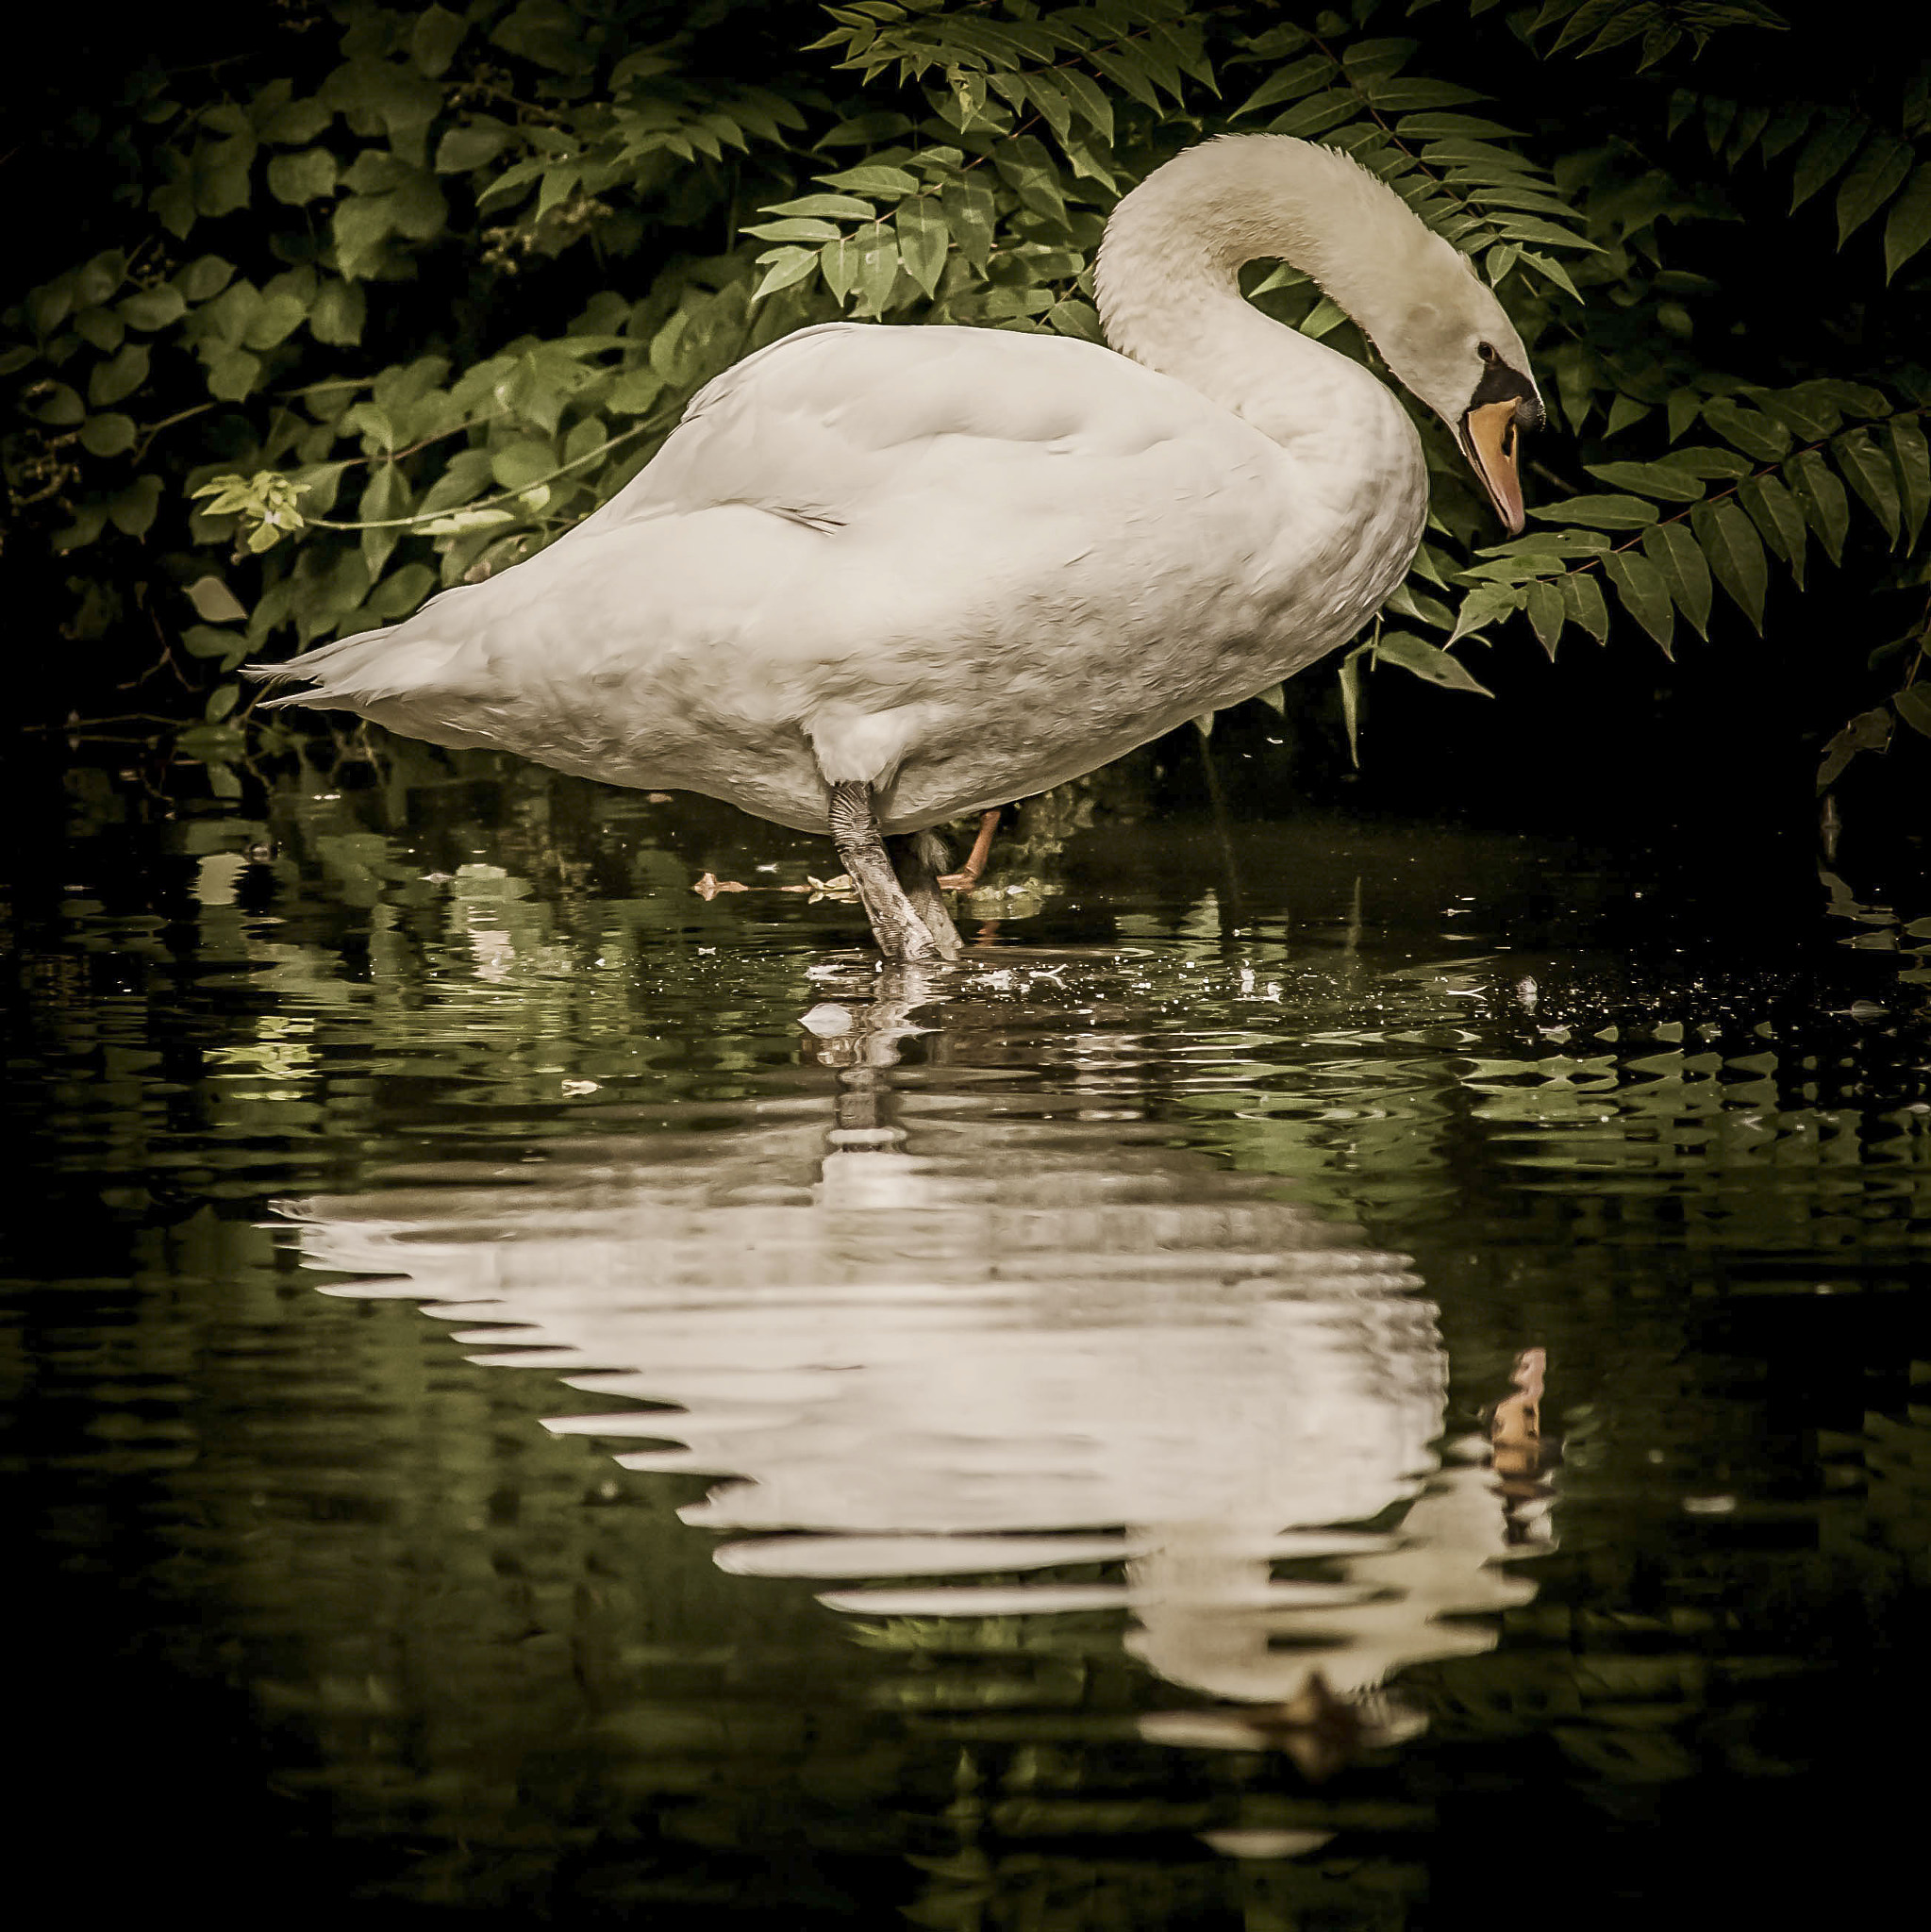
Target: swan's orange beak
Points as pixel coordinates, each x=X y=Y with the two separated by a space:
x=1489 y=440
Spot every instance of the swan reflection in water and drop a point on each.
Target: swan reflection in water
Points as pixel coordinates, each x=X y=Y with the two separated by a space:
x=940 y=1326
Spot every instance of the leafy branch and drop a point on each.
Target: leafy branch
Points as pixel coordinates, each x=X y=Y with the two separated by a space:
x=535 y=209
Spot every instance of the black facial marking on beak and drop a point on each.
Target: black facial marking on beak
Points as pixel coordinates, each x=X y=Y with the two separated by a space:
x=1502 y=384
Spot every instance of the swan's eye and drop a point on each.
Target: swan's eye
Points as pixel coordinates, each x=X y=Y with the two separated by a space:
x=1488 y=353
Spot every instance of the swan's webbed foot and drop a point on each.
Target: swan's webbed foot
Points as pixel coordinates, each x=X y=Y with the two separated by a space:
x=896 y=924
x=967 y=876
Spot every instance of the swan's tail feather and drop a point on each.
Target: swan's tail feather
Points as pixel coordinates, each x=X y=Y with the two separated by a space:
x=353 y=673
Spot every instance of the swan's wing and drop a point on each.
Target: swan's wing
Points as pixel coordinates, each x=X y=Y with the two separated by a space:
x=824 y=424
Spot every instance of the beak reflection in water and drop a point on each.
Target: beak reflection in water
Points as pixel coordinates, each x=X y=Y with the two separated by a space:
x=950 y=1341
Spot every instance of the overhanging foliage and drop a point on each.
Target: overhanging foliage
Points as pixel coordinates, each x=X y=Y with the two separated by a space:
x=392 y=319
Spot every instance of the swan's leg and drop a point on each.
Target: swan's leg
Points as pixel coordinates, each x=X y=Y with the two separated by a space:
x=967 y=876
x=899 y=930
x=916 y=859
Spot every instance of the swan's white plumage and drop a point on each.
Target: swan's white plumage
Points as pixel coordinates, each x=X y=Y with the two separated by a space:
x=960 y=564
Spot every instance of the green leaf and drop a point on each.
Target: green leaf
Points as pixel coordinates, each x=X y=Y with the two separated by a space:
x=1668 y=482
x=1583 y=602
x=1644 y=594
x=1624 y=411
x=1404 y=96
x=120 y=375
x=361 y=226
x=203 y=641
x=783 y=268
x=1856 y=398
x=840 y=261
x=338 y=313
x=1826 y=509
x=1528 y=228
x=214 y=603
x=233 y=373
x=1288 y=84
x=1779 y=517
x=1729 y=540
x=1869 y=471
x=459 y=523
x=1908 y=226
x=1349 y=677
x=1548 y=612
x=1811 y=416
x=303 y=177
x=1708 y=462
x=89 y=519
x=1911 y=458
x=1125 y=71
x=1319 y=116
x=1598 y=512
x=468 y=472
x=969 y=210
x=108 y=435
x=133 y=510
x=1827 y=151
x=1787 y=125
x=1868 y=731
x=1426 y=662
x=1452 y=127
x=1485 y=604
x=1051 y=103
x=795 y=229
x=877 y=271
x=475 y=144
x=385 y=495
x=1754 y=433
x=830 y=207
x=1072 y=317
x=220 y=175
x=273 y=320
x=205 y=278
x=1879 y=173
x=923 y=243
x=102 y=327
x=1914 y=707
x=547 y=33
x=152 y=309
x=1680 y=556
x=418 y=209
x=1089 y=102
x=517 y=465
x=62 y=407
x=435 y=38
x=296 y=122
x=1553 y=271
x=881 y=182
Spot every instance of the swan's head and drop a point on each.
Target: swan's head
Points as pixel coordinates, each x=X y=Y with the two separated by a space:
x=1447 y=340
x=1245 y=197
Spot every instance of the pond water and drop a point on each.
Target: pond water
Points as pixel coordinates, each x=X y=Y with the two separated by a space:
x=1328 y=1374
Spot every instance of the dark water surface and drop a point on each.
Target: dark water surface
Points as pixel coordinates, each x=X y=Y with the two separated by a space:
x=538 y=1397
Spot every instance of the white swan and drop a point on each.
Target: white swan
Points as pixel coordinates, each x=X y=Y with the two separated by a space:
x=879 y=577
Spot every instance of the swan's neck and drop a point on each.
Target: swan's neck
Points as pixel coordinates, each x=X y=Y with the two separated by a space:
x=1169 y=294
